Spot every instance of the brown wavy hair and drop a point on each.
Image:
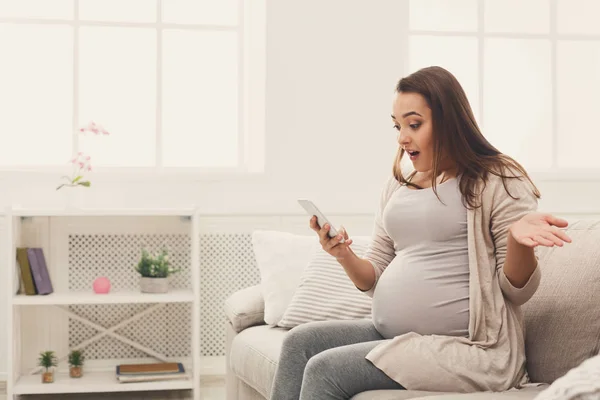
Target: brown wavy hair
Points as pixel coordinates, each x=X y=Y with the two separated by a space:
x=457 y=135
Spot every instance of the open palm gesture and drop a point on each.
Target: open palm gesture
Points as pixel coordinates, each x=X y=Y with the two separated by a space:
x=540 y=229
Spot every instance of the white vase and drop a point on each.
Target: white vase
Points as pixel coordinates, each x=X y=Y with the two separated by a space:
x=154 y=285
x=72 y=197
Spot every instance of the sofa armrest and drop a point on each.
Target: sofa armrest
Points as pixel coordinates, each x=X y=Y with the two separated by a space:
x=245 y=308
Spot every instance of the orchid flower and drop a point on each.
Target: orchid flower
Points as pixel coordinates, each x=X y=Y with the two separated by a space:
x=82 y=162
x=95 y=128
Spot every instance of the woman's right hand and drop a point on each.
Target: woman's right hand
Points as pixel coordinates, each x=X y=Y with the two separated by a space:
x=332 y=245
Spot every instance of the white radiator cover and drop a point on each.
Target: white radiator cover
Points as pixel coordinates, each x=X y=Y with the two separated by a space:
x=227 y=265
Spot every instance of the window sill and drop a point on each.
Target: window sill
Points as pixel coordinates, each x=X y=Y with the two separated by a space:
x=565 y=175
x=134 y=175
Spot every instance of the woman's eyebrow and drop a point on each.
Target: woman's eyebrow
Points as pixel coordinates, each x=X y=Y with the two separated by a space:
x=407 y=114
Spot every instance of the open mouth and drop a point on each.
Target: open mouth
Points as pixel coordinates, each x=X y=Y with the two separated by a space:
x=413 y=154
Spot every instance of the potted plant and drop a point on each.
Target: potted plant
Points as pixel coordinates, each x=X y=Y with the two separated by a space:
x=155 y=271
x=48 y=360
x=76 y=360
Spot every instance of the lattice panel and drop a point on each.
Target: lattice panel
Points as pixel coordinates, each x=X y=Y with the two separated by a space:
x=227 y=265
x=167 y=330
x=116 y=256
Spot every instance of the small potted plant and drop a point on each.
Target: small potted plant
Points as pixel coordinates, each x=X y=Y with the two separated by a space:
x=48 y=360
x=76 y=360
x=155 y=271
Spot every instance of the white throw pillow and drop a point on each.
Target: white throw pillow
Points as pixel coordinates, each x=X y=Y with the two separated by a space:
x=281 y=257
x=580 y=383
x=326 y=292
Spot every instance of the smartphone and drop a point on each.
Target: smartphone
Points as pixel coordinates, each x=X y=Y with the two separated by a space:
x=312 y=209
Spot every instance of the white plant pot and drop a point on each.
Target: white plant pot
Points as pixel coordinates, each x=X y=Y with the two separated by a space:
x=72 y=197
x=154 y=285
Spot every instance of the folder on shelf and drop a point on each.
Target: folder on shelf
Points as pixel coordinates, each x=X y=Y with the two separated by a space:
x=39 y=270
x=26 y=275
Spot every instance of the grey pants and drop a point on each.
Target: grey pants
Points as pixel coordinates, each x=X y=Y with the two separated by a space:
x=326 y=361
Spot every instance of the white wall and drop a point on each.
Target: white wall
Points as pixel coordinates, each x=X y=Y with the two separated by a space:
x=331 y=70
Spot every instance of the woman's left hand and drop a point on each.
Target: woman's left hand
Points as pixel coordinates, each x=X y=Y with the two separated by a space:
x=539 y=229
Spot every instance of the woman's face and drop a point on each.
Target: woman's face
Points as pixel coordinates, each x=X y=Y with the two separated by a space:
x=412 y=119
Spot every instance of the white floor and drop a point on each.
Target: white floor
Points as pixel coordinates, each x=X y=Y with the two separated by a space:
x=213 y=388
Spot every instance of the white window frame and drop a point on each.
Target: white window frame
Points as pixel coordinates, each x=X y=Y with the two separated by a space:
x=553 y=173
x=251 y=29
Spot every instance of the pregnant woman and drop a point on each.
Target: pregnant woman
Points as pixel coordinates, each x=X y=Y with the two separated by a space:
x=452 y=259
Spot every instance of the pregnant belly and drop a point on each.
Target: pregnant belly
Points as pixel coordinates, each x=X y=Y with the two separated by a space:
x=423 y=295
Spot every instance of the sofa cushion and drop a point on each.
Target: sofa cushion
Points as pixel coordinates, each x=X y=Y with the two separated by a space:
x=326 y=292
x=254 y=356
x=393 y=395
x=281 y=257
x=529 y=393
x=525 y=394
x=562 y=324
x=245 y=308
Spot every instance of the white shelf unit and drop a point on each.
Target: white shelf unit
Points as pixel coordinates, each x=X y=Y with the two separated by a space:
x=92 y=382
x=122 y=297
x=20 y=382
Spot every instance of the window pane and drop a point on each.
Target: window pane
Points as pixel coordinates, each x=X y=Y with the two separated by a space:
x=456 y=54
x=118 y=10
x=213 y=12
x=118 y=91
x=517 y=16
x=578 y=16
x=578 y=69
x=443 y=15
x=517 y=99
x=36 y=95
x=52 y=9
x=200 y=99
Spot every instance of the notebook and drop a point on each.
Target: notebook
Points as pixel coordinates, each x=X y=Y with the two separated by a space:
x=26 y=275
x=39 y=270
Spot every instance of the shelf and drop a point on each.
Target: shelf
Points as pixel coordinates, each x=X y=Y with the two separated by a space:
x=93 y=382
x=125 y=297
x=101 y=212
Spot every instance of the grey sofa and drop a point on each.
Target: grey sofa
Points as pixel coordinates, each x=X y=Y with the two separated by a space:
x=562 y=322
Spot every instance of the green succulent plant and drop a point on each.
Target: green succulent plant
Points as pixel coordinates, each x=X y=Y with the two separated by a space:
x=76 y=358
x=47 y=360
x=158 y=266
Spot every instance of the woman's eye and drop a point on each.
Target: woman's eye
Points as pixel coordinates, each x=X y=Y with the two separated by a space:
x=414 y=126
x=397 y=127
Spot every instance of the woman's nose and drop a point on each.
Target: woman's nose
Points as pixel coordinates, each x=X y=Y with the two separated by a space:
x=402 y=139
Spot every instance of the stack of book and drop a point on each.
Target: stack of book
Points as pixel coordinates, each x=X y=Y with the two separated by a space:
x=150 y=372
x=35 y=278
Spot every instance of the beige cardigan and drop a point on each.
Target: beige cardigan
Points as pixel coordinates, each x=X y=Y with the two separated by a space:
x=492 y=357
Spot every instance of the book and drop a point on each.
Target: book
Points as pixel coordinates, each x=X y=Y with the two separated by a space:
x=26 y=275
x=151 y=378
x=39 y=270
x=150 y=369
x=18 y=287
x=150 y=372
